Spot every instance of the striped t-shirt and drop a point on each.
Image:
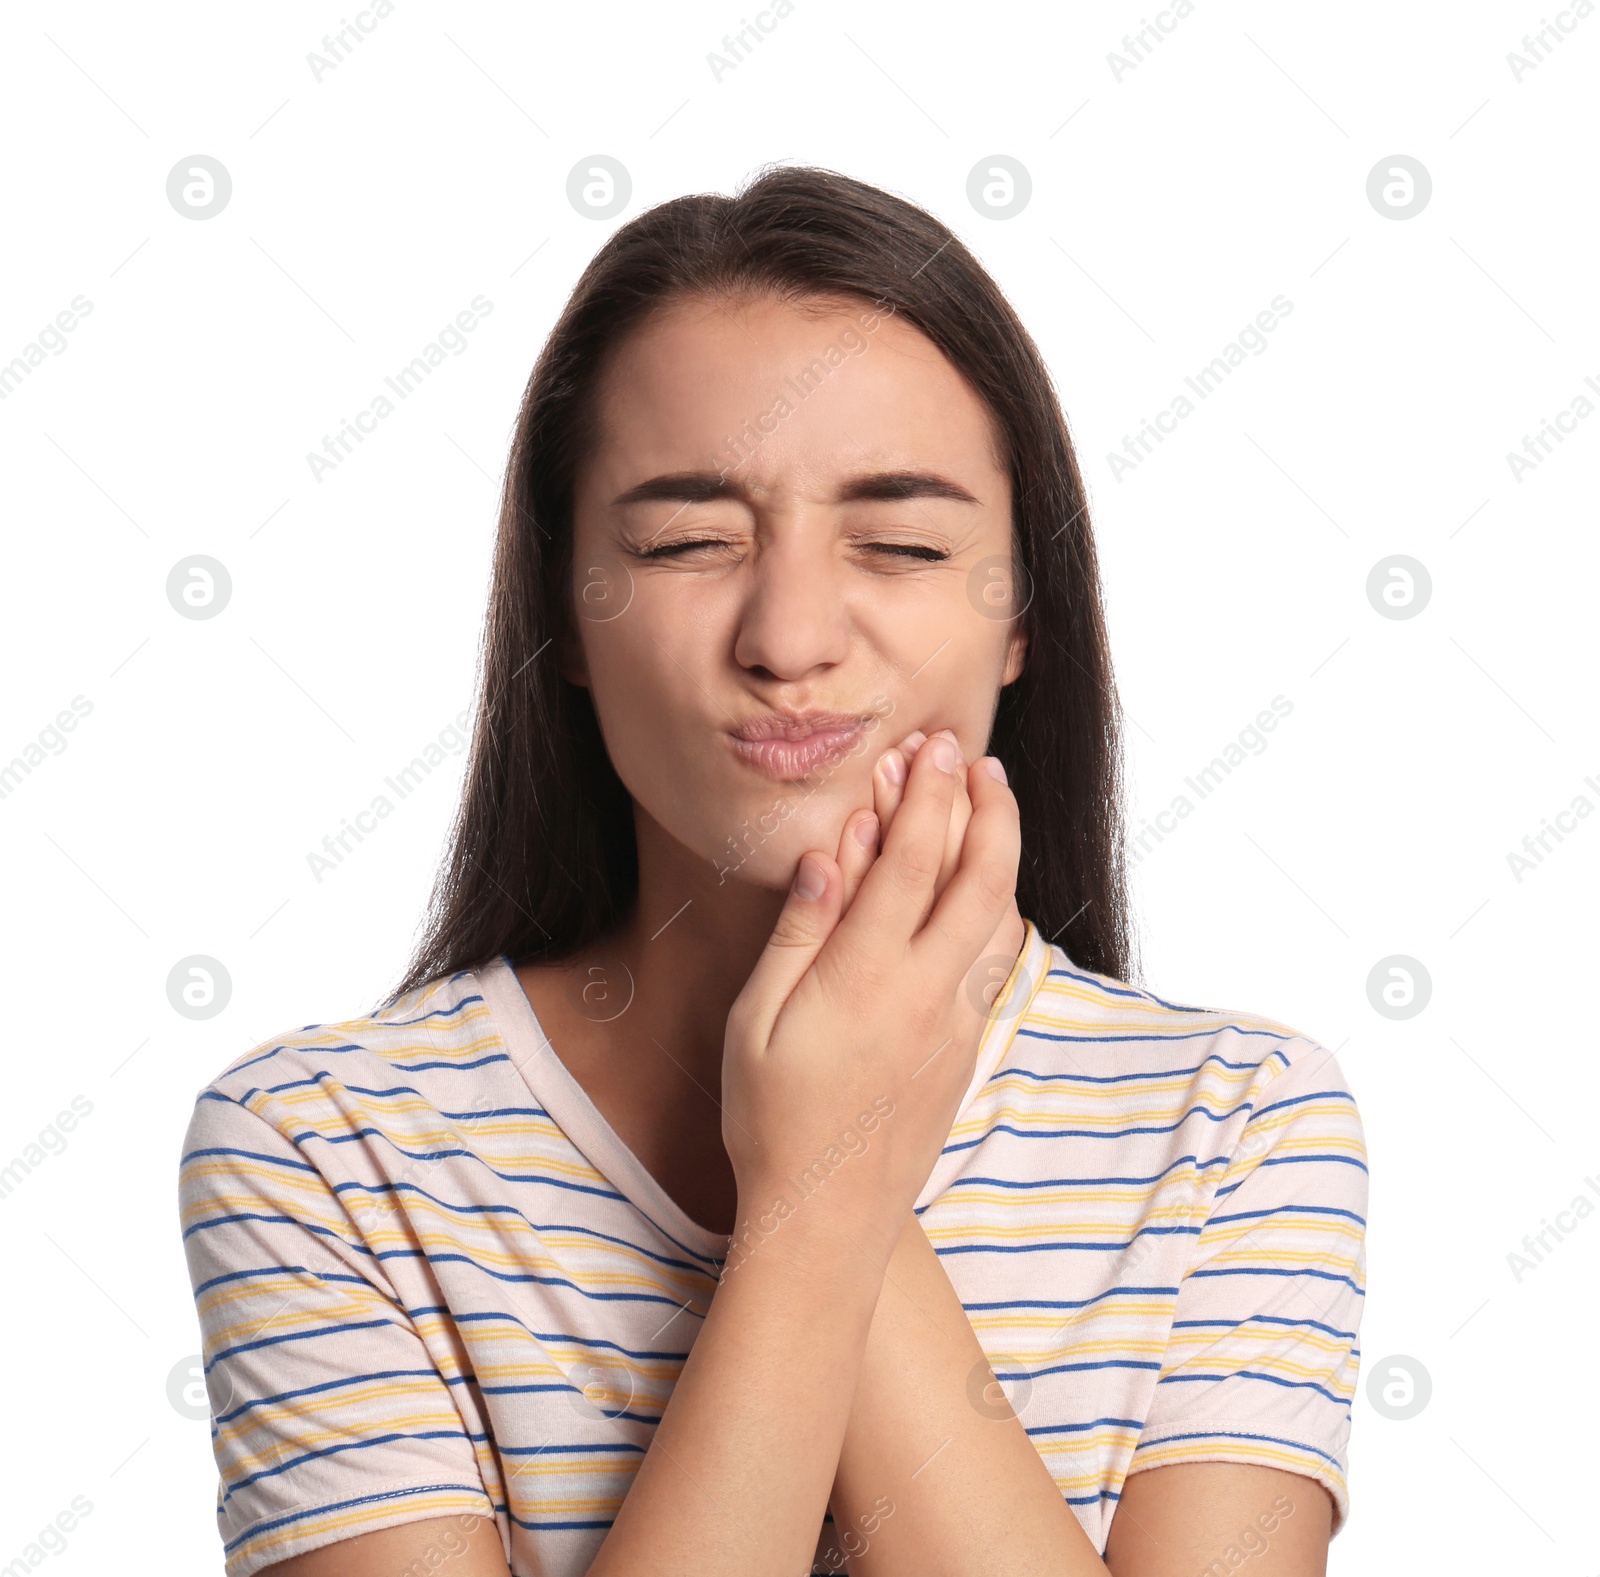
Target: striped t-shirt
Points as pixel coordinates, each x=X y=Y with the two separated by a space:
x=431 y=1278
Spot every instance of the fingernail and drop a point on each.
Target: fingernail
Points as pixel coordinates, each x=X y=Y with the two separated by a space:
x=950 y=734
x=810 y=881
x=894 y=767
x=943 y=752
x=867 y=832
x=913 y=739
x=991 y=765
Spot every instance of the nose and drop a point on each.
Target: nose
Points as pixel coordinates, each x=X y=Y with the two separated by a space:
x=794 y=619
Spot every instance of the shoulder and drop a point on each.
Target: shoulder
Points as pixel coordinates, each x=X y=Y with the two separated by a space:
x=411 y=1049
x=1101 y=1031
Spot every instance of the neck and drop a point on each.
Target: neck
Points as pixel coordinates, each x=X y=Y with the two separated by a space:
x=689 y=942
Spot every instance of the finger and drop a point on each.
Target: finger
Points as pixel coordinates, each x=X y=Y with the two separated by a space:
x=985 y=882
x=960 y=816
x=808 y=918
x=858 y=848
x=896 y=894
x=960 y=811
x=889 y=786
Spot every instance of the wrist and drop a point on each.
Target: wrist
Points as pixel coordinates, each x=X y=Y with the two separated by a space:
x=815 y=1232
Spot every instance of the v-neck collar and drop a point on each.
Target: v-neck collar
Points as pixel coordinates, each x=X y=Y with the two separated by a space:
x=568 y=1104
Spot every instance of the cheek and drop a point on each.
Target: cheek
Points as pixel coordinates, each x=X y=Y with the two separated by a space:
x=642 y=681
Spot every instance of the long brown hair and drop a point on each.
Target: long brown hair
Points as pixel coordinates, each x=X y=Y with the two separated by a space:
x=541 y=859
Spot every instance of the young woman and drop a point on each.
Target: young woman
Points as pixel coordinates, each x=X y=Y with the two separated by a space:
x=763 y=1162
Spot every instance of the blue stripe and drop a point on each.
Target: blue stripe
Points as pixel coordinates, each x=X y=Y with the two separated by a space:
x=528 y=1279
x=1262 y=1319
x=536 y=1227
x=339 y=1449
x=1154 y=1040
x=406 y=1023
x=1095 y=1133
x=1253 y=1374
x=334 y=1385
x=1093 y=1423
x=1300 y=1100
x=571 y=1449
x=1082 y=1368
x=1119 y=989
x=294 y=1336
x=278 y=1270
x=506 y=1177
x=267 y=1056
x=1288 y=1160
x=1121 y=1078
x=1099 y=1248
x=276 y=1220
x=1318 y=1275
x=326 y=1075
x=1079 y=1182
x=248 y=1155
x=1073 y=1303
x=1296 y=1210
x=588 y=1343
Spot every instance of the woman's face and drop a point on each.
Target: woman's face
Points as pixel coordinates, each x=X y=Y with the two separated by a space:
x=788 y=514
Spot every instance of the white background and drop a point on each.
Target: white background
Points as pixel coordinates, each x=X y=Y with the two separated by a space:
x=1167 y=209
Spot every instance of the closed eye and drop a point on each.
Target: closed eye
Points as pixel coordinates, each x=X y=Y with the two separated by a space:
x=904 y=549
x=911 y=550
x=670 y=548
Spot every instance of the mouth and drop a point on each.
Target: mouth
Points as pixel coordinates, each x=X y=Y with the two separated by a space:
x=787 y=747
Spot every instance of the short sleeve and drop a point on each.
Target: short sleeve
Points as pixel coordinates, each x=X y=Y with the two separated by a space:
x=330 y=1417
x=1262 y=1360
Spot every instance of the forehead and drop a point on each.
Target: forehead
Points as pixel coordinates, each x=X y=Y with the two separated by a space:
x=784 y=393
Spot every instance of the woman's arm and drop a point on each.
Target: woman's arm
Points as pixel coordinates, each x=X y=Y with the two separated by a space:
x=931 y=1431
x=737 y=1475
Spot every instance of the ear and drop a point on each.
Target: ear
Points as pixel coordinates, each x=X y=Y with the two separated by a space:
x=1016 y=657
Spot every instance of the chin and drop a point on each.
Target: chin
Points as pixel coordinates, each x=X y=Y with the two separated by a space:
x=764 y=843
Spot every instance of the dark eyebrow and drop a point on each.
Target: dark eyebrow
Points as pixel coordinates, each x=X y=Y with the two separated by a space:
x=700 y=487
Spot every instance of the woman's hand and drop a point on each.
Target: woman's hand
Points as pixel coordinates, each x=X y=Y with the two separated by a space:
x=850 y=1047
x=983 y=984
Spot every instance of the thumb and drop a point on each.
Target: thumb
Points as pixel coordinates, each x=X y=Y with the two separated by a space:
x=805 y=922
